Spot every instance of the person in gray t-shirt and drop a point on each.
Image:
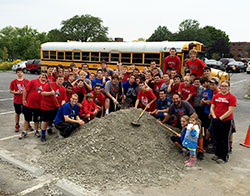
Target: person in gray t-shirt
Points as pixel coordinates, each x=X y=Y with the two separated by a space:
x=177 y=109
x=112 y=90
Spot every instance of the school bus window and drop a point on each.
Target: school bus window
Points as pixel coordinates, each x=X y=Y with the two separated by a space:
x=52 y=54
x=125 y=57
x=45 y=54
x=60 y=55
x=85 y=56
x=77 y=56
x=115 y=57
x=105 y=56
x=94 y=56
x=148 y=57
x=137 y=58
x=68 y=56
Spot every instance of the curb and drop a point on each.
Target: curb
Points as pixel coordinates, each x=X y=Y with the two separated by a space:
x=36 y=172
x=70 y=189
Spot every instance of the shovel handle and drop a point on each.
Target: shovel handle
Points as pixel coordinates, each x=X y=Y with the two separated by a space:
x=58 y=105
x=168 y=128
x=143 y=111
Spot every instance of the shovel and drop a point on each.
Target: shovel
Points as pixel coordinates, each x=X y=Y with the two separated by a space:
x=136 y=123
x=174 y=132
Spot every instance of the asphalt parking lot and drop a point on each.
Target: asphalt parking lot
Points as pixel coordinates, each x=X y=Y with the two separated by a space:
x=230 y=179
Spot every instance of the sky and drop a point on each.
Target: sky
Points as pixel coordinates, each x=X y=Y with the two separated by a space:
x=131 y=19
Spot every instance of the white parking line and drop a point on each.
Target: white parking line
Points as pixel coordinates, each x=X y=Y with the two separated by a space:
x=29 y=190
x=7 y=99
x=238 y=82
x=2 y=91
x=9 y=112
x=13 y=136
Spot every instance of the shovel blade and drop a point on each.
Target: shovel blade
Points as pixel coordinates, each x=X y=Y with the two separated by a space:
x=136 y=124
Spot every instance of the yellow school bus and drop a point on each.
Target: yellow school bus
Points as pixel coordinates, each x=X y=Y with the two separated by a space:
x=127 y=53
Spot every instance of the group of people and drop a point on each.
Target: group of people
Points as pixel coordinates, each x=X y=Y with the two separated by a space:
x=67 y=97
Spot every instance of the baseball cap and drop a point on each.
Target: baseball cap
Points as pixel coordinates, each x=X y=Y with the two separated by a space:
x=215 y=80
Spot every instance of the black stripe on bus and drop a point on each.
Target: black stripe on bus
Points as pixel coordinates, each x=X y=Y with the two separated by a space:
x=82 y=62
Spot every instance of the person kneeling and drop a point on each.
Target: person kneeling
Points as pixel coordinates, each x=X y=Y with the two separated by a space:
x=89 y=109
x=67 y=118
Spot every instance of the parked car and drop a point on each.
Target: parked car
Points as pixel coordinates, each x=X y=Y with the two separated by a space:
x=225 y=61
x=248 y=68
x=236 y=66
x=33 y=66
x=214 y=64
x=21 y=64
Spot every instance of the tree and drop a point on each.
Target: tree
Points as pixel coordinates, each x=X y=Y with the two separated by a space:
x=189 y=24
x=141 y=39
x=5 y=53
x=189 y=30
x=248 y=50
x=22 y=42
x=56 y=35
x=212 y=35
x=160 y=34
x=85 y=28
x=220 y=47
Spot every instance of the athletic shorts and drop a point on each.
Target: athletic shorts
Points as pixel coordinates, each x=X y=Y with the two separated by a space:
x=48 y=115
x=18 y=108
x=31 y=114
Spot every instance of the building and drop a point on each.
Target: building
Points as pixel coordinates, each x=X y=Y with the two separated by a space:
x=238 y=49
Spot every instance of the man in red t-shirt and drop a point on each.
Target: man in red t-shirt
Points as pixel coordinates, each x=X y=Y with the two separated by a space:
x=187 y=90
x=32 y=103
x=80 y=90
x=16 y=87
x=195 y=65
x=157 y=85
x=172 y=61
x=51 y=101
x=174 y=84
x=146 y=98
x=99 y=99
x=50 y=75
x=66 y=73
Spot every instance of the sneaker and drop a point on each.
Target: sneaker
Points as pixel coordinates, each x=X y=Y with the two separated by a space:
x=215 y=158
x=49 y=131
x=191 y=163
x=43 y=139
x=17 y=127
x=23 y=134
x=187 y=161
x=220 y=161
x=37 y=134
x=200 y=155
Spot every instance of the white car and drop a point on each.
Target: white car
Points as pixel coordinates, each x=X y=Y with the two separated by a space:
x=21 y=64
x=248 y=67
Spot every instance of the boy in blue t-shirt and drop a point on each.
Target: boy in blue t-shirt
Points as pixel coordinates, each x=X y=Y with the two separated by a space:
x=163 y=104
x=206 y=97
x=67 y=118
x=99 y=79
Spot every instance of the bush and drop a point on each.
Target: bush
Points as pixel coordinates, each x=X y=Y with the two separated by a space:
x=6 y=65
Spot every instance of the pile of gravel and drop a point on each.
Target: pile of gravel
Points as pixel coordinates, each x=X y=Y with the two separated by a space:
x=110 y=151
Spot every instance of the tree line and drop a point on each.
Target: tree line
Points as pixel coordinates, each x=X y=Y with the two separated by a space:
x=24 y=43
